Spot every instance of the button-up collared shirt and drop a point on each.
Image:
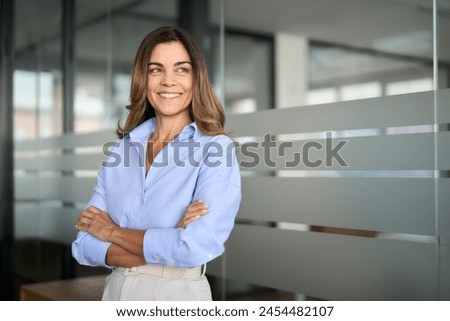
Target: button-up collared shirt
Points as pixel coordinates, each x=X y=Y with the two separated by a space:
x=191 y=167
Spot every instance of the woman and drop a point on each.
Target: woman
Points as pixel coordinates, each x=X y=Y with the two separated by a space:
x=168 y=193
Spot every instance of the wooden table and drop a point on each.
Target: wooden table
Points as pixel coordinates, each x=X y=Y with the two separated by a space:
x=79 y=289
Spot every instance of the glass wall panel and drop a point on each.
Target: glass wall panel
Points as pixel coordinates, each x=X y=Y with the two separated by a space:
x=361 y=71
x=108 y=34
x=358 y=70
x=442 y=104
x=248 y=72
x=37 y=95
x=37 y=101
x=442 y=38
x=379 y=48
x=356 y=73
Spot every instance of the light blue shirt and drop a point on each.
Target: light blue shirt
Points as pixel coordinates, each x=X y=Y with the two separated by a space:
x=193 y=166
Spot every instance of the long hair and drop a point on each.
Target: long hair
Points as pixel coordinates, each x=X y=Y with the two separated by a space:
x=205 y=108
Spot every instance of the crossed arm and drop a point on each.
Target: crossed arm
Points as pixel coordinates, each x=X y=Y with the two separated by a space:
x=126 y=248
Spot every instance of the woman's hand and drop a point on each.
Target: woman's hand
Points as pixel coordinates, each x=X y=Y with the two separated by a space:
x=193 y=212
x=97 y=223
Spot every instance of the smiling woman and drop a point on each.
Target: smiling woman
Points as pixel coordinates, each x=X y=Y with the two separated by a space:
x=205 y=109
x=170 y=79
x=156 y=226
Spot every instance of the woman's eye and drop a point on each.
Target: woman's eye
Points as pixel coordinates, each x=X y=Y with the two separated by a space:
x=182 y=70
x=155 y=71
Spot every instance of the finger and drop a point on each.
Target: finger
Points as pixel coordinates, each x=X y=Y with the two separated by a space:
x=94 y=213
x=196 y=202
x=84 y=221
x=196 y=212
x=196 y=207
x=87 y=214
x=81 y=226
x=93 y=209
x=201 y=211
x=91 y=212
x=79 y=219
x=185 y=222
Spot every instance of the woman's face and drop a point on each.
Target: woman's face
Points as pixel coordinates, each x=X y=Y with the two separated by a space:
x=170 y=79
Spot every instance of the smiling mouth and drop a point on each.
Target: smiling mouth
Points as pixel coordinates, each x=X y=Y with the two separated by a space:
x=169 y=95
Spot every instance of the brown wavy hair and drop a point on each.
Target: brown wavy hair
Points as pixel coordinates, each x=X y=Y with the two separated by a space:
x=205 y=108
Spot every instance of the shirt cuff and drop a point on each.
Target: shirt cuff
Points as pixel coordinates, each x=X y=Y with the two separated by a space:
x=159 y=246
x=94 y=252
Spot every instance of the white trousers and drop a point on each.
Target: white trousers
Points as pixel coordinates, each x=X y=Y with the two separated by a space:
x=154 y=282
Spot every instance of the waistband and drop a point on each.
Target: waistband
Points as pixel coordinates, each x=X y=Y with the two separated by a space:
x=163 y=271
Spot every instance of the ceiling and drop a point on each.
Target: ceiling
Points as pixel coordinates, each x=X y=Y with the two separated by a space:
x=395 y=26
x=403 y=27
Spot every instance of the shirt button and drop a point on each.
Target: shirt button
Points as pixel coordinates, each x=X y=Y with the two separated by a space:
x=210 y=255
x=172 y=261
x=157 y=258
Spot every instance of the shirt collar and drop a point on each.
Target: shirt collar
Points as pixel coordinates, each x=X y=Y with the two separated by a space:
x=144 y=130
x=189 y=132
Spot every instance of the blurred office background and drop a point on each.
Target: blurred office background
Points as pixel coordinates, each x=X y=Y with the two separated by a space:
x=375 y=73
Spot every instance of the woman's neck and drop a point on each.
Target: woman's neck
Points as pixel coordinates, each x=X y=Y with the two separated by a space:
x=167 y=128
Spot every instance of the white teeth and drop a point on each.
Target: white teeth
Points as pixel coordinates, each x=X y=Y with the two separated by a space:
x=169 y=95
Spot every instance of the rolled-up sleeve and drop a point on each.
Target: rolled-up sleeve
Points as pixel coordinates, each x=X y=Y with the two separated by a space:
x=86 y=249
x=218 y=184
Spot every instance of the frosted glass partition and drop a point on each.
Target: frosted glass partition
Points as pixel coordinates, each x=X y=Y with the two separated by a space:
x=54 y=178
x=365 y=231
x=442 y=81
x=362 y=231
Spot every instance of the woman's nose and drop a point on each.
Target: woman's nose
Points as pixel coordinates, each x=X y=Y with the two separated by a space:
x=168 y=79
